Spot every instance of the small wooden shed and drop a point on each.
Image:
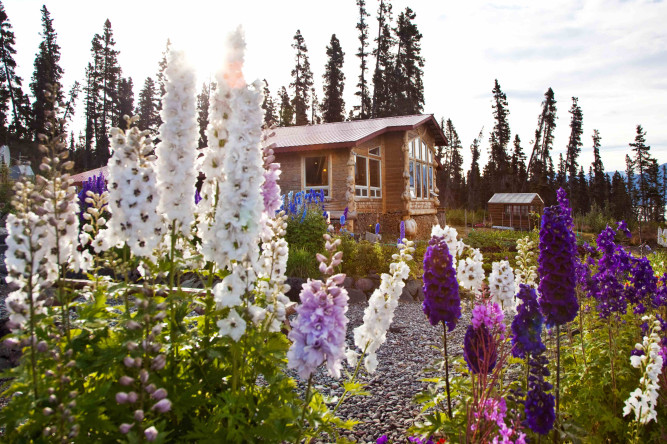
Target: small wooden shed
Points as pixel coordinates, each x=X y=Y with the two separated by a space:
x=514 y=209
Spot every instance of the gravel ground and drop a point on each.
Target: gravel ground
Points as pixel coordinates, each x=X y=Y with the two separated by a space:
x=409 y=349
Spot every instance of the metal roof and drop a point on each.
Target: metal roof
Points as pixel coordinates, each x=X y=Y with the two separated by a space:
x=82 y=177
x=515 y=198
x=348 y=134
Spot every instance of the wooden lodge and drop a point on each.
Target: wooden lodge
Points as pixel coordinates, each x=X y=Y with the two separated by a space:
x=383 y=170
x=513 y=210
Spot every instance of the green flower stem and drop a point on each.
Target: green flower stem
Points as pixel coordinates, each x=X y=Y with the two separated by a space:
x=352 y=379
x=612 y=355
x=172 y=311
x=449 y=399
x=207 y=311
x=581 y=335
x=305 y=407
x=33 y=359
x=556 y=434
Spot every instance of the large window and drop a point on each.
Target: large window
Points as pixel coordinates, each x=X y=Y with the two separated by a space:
x=316 y=172
x=421 y=166
x=368 y=175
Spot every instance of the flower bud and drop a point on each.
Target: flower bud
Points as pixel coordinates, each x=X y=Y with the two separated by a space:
x=132 y=325
x=162 y=406
x=42 y=346
x=47 y=411
x=125 y=428
x=126 y=380
x=150 y=388
x=143 y=376
x=131 y=345
x=121 y=397
x=129 y=362
x=159 y=394
x=132 y=397
x=150 y=433
x=159 y=362
x=137 y=362
x=139 y=415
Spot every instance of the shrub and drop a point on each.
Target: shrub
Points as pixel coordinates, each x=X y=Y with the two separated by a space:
x=302 y=263
x=304 y=231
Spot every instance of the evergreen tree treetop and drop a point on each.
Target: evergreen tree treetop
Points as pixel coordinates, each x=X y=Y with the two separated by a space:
x=333 y=106
x=303 y=80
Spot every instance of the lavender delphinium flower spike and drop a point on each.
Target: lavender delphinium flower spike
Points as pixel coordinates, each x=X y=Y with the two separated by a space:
x=557 y=264
x=441 y=289
x=402 y=230
x=527 y=325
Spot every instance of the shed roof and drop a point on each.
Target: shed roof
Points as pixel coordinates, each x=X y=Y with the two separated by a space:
x=515 y=198
x=348 y=134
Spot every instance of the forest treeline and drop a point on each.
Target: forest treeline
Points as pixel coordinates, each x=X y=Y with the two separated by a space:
x=390 y=83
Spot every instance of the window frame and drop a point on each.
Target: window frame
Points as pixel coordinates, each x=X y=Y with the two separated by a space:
x=421 y=168
x=366 y=191
x=326 y=188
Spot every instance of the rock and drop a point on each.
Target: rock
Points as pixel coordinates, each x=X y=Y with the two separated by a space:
x=294 y=288
x=366 y=285
x=412 y=291
x=356 y=296
x=348 y=282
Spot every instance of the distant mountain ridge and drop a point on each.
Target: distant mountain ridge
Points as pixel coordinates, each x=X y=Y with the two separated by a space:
x=622 y=172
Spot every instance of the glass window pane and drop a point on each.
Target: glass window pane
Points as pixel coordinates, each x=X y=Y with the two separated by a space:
x=419 y=181
x=412 y=174
x=412 y=149
x=360 y=173
x=316 y=171
x=374 y=172
x=424 y=181
x=374 y=151
x=430 y=178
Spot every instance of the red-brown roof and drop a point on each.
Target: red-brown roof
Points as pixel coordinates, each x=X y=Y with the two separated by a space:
x=348 y=134
x=78 y=179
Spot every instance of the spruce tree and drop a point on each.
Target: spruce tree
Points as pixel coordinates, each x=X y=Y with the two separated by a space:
x=161 y=86
x=598 y=177
x=47 y=72
x=496 y=171
x=286 y=114
x=268 y=106
x=620 y=202
x=303 y=80
x=582 y=201
x=315 y=106
x=474 y=177
x=407 y=86
x=203 y=103
x=333 y=105
x=125 y=101
x=147 y=107
x=518 y=166
x=574 y=144
x=364 y=108
x=539 y=171
x=450 y=177
x=630 y=181
x=92 y=97
x=11 y=92
x=383 y=104
x=641 y=164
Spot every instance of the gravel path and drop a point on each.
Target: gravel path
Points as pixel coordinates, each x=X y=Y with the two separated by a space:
x=409 y=349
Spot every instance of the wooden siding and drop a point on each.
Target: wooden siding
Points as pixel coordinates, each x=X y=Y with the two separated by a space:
x=394 y=171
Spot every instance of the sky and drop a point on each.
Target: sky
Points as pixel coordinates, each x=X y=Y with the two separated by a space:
x=611 y=54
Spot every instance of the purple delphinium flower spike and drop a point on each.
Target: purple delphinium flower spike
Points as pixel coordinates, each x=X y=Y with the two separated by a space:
x=441 y=289
x=377 y=228
x=527 y=325
x=96 y=184
x=557 y=264
x=479 y=349
x=402 y=229
x=539 y=405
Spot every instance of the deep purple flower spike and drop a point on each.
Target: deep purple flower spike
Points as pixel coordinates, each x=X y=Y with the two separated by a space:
x=441 y=289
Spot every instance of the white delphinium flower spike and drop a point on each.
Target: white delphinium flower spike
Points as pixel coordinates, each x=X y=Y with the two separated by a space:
x=470 y=273
x=526 y=261
x=233 y=235
x=379 y=314
x=29 y=240
x=177 y=150
x=272 y=268
x=501 y=284
x=133 y=194
x=644 y=399
x=449 y=234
